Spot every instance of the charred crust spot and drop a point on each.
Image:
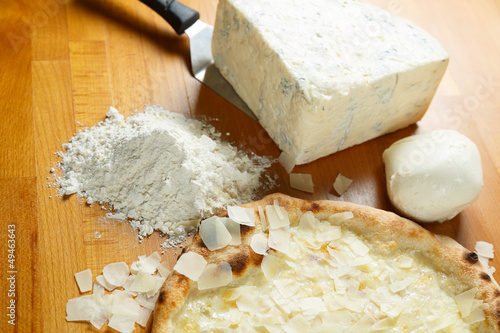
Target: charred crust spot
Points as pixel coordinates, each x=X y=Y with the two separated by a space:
x=162 y=296
x=471 y=257
x=244 y=229
x=257 y=259
x=497 y=293
x=315 y=207
x=239 y=262
x=485 y=276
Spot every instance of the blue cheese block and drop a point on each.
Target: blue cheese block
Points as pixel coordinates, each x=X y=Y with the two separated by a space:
x=324 y=75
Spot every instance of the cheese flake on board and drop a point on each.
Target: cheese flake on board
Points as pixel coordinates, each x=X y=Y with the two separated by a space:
x=144 y=315
x=80 y=308
x=98 y=289
x=116 y=273
x=103 y=282
x=341 y=184
x=149 y=263
x=484 y=249
x=287 y=161
x=84 y=280
x=302 y=182
x=143 y=283
x=124 y=313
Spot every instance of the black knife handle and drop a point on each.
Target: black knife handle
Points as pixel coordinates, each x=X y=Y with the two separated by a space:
x=179 y=17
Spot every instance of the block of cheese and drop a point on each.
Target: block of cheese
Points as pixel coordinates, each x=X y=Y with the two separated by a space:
x=324 y=75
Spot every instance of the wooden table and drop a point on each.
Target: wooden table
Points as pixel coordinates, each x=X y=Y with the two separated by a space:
x=64 y=62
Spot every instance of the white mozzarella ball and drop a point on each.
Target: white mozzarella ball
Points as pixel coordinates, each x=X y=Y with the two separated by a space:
x=433 y=176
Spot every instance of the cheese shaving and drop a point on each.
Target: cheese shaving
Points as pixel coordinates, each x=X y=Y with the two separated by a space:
x=270 y=266
x=81 y=308
x=341 y=184
x=278 y=209
x=259 y=244
x=215 y=276
x=464 y=301
x=484 y=249
x=400 y=285
x=214 y=233
x=404 y=261
x=98 y=289
x=120 y=309
x=128 y=283
x=116 y=273
x=234 y=230
x=241 y=215
x=124 y=313
x=364 y=324
x=147 y=301
x=475 y=316
x=298 y=324
x=279 y=239
x=143 y=283
x=103 y=282
x=191 y=264
x=150 y=263
x=302 y=182
x=84 y=280
x=275 y=222
x=164 y=269
x=262 y=217
x=359 y=247
x=287 y=161
x=144 y=315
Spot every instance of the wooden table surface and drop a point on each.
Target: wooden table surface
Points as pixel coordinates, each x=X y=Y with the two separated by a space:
x=64 y=62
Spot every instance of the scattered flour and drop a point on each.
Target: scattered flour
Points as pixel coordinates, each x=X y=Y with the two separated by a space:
x=159 y=170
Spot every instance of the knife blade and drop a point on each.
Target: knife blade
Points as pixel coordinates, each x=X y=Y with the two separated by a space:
x=186 y=20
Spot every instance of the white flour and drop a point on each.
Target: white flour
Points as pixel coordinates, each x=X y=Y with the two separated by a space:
x=158 y=169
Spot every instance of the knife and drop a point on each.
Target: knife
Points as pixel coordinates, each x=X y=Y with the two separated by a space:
x=186 y=20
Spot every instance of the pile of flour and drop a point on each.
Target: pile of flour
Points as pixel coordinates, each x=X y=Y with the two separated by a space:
x=159 y=170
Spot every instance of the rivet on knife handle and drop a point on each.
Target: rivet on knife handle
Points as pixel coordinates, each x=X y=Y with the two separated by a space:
x=176 y=14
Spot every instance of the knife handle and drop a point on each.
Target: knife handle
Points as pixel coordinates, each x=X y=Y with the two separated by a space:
x=179 y=17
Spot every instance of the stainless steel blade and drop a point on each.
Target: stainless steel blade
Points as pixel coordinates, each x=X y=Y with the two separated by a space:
x=202 y=63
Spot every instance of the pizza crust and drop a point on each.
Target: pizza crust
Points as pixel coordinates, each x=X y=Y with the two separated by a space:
x=385 y=230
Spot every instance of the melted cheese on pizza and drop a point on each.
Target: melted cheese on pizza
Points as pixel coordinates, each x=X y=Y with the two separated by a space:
x=332 y=280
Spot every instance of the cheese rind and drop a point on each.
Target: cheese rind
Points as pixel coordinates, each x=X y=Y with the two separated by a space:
x=325 y=75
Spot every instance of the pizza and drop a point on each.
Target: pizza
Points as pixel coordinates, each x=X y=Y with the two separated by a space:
x=324 y=266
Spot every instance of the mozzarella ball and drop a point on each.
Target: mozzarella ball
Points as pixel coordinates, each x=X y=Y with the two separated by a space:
x=433 y=176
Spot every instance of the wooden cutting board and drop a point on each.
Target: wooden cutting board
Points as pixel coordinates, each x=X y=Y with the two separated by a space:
x=64 y=62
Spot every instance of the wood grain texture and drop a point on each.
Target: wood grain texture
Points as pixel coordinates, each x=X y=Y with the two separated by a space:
x=64 y=62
